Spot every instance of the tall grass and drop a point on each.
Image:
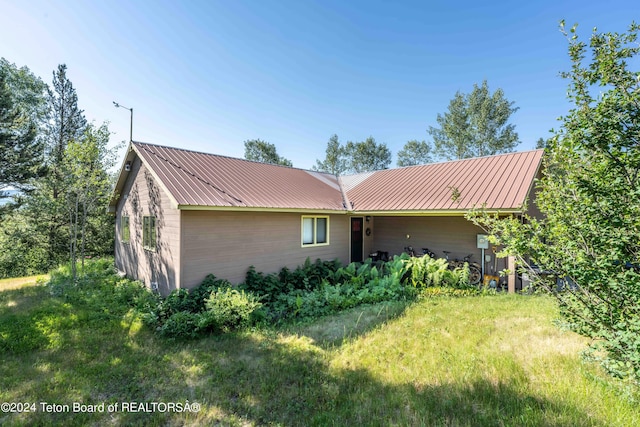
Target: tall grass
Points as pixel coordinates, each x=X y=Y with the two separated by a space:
x=468 y=361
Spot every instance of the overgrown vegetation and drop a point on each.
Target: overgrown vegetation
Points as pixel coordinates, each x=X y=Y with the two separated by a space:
x=590 y=198
x=317 y=289
x=61 y=165
x=311 y=290
x=438 y=361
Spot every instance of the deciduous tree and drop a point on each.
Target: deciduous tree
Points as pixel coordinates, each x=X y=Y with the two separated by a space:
x=475 y=125
x=87 y=188
x=415 y=152
x=367 y=155
x=589 y=237
x=335 y=161
x=263 y=152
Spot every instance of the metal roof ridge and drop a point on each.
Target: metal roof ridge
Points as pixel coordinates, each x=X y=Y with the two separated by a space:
x=442 y=162
x=224 y=156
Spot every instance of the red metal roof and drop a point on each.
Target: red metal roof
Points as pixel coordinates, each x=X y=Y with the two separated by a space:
x=199 y=179
x=202 y=180
x=497 y=182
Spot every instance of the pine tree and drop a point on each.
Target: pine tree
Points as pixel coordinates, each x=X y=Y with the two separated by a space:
x=66 y=124
x=20 y=151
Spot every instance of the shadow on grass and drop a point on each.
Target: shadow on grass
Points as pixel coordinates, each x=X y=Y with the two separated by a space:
x=95 y=357
x=330 y=331
x=284 y=386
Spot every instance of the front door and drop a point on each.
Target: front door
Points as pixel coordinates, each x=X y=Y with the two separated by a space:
x=356 y=240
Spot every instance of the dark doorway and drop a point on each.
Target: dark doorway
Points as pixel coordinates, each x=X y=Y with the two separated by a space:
x=356 y=240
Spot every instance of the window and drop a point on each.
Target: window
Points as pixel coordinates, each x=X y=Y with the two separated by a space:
x=149 y=232
x=315 y=230
x=124 y=229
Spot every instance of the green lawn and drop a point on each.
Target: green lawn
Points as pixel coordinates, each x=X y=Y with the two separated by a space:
x=6 y=284
x=463 y=361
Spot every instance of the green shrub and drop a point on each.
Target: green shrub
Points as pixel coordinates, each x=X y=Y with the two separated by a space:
x=267 y=287
x=426 y=271
x=349 y=286
x=200 y=294
x=181 y=325
x=229 y=309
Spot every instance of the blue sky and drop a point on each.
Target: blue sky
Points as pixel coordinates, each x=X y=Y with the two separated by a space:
x=208 y=75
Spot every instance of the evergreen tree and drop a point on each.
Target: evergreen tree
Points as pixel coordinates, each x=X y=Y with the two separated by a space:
x=66 y=124
x=28 y=92
x=20 y=151
x=66 y=120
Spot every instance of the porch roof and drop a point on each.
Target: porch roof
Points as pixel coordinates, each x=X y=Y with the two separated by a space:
x=500 y=182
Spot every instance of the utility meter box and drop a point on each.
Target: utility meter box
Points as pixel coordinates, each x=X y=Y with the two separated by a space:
x=482 y=241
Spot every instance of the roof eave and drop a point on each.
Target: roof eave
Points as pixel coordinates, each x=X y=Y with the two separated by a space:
x=436 y=212
x=260 y=209
x=122 y=178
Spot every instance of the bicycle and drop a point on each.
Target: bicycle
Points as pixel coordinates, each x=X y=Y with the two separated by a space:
x=475 y=269
x=425 y=251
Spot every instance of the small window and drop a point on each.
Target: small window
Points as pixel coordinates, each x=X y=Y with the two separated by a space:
x=315 y=230
x=124 y=229
x=149 y=232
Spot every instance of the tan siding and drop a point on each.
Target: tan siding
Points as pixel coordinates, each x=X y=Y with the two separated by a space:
x=227 y=243
x=142 y=196
x=368 y=240
x=454 y=234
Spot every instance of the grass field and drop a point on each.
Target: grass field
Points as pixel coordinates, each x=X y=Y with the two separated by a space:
x=6 y=284
x=474 y=361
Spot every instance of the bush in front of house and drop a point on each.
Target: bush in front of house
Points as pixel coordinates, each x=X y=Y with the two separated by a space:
x=229 y=309
x=425 y=272
x=212 y=307
x=329 y=287
x=311 y=290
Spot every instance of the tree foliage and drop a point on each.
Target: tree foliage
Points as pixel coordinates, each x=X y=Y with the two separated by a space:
x=66 y=120
x=335 y=161
x=354 y=157
x=28 y=91
x=475 y=125
x=589 y=235
x=541 y=143
x=367 y=155
x=87 y=191
x=63 y=216
x=415 y=152
x=263 y=152
x=20 y=152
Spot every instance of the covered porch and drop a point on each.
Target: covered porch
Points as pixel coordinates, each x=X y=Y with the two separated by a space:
x=391 y=234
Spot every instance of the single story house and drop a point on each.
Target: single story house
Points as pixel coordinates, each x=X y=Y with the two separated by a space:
x=181 y=214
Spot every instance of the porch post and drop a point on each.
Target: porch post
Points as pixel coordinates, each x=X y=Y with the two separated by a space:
x=511 y=279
